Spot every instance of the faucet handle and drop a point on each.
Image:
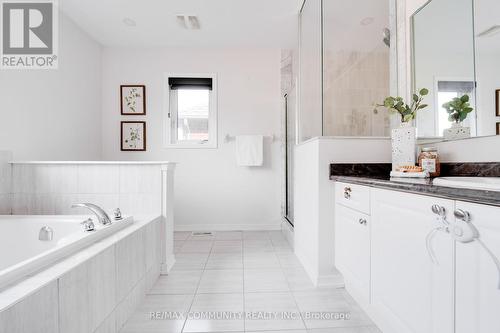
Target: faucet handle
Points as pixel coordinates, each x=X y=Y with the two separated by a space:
x=88 y=225
x=118 y=214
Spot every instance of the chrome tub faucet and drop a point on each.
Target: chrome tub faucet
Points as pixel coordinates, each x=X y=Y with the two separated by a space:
x=102 y=216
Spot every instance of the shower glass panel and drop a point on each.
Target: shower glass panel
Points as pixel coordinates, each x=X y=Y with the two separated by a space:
x=289 y=93
x=356 y=66
x=310 y=116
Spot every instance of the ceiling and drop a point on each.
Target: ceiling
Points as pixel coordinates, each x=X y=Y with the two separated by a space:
x=224 y=23
x=359 y=30
x=486 y=16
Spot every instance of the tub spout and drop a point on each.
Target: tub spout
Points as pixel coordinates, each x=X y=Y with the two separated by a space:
x=46 y=234
x=102 y=216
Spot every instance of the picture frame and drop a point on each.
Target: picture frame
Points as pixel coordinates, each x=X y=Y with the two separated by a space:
x=497 y=103
x=133 y=100
x=498 y=128
x=133 y=136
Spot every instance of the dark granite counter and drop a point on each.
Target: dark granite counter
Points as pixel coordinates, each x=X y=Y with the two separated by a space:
x=376 y=175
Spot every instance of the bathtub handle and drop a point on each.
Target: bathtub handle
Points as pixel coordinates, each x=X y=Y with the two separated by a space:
x=88 y=225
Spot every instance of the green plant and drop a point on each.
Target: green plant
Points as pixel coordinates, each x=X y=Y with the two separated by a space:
x=407 y=112
x=458 y=108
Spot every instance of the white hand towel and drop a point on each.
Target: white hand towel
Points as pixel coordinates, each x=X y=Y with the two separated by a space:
x=250 y=150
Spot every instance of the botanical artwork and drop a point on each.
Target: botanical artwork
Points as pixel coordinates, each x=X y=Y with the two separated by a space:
x=133 y=100
x=497 y=101
x=133 y=136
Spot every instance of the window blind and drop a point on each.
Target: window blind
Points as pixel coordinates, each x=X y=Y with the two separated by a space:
x=190 y=83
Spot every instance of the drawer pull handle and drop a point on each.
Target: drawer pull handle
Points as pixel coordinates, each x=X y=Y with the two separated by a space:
x=347 y=192
x=362 y=222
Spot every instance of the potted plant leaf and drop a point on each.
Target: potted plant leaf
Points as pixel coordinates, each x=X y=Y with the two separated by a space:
x=407 y=112
x=458 y=109
x=404 y=138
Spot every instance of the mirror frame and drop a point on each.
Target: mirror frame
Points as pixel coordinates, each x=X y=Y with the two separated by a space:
x=413 y=87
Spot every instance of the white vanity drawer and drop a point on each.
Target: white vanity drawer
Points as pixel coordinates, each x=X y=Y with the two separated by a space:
x=353 y=196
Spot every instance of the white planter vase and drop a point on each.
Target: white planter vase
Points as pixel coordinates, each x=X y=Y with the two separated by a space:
x=404 y=145
x=457 y=131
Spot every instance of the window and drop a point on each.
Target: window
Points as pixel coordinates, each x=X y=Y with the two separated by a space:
x=447 y=90
x=191 y=114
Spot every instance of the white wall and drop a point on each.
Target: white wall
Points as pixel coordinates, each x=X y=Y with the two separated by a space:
x=55 y=114
x=211 y=191
x=314 y=197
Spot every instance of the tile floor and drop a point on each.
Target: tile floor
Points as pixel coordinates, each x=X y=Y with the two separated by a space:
x=243 y=282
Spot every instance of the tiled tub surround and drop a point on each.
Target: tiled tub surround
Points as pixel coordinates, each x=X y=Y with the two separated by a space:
x=95 y=290
x=51 y=187
x=68 y=237
x=5 y=182
x=376 y=175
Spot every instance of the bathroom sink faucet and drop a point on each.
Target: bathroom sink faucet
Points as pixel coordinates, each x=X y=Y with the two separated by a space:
x=102 y=217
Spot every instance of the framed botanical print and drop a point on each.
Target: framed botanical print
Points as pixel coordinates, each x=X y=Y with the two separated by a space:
x=133 y=100
x=133 y=136
x=497 y=98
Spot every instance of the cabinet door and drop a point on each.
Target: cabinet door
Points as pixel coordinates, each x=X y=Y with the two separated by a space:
x=410 y=293
x=477 y=281
x=352 y=250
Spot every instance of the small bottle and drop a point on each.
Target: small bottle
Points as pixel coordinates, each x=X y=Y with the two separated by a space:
x=428 y=160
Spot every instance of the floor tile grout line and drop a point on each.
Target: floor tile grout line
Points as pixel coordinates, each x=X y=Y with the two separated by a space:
x=244 y=269
x=244 y=291
x=196 y=290
x=293 y=296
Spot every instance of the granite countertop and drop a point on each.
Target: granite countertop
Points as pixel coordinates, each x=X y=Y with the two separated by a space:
x=376 y=175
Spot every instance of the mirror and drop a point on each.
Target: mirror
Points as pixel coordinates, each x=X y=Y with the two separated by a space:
x=456 y=52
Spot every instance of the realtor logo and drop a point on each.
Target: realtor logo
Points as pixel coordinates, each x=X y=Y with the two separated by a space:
x=29 y=34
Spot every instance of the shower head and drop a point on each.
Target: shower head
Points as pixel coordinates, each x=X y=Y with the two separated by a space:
x=386 y=33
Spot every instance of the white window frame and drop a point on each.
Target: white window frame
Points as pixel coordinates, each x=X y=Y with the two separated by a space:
x=169 y=120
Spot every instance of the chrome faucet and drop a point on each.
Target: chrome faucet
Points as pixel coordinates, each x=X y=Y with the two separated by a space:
x=46 y=234
x=102 y=216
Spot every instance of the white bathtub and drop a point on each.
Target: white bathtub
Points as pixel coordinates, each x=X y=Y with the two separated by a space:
x=22 y=253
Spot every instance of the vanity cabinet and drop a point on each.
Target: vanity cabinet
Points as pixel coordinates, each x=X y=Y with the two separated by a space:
x=477 y=278
x=409 y=265
x=410 y=292
x=352 y=238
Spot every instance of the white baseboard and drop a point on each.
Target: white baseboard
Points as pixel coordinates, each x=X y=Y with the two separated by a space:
x=331 y=281
x=310 y=270
x=227 y=227
x=166 y=267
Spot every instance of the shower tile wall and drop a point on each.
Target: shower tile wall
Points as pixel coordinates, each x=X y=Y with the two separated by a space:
x=357 y=55
x=353 y=82
x=5 y=182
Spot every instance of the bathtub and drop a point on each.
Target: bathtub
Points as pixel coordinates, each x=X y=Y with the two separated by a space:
x=23 y=254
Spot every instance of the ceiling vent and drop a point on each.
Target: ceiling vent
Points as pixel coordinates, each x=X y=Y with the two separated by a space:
x=189 y=22
x=493 y=30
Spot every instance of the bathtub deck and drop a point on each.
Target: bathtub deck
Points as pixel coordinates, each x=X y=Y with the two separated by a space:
x=233 y=273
